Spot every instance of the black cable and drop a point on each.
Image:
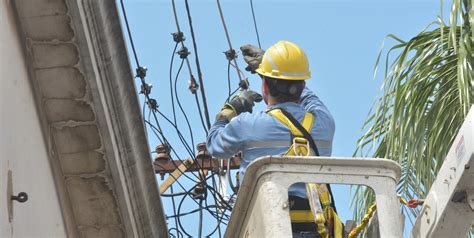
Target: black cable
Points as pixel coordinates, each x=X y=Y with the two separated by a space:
x=200 y=114
x=174 y=210
x=215 y=201
x=180 y=135
x=228 y=81
x=171 y=82
x=179 y=232
x=228 y=207
x=182 y=110
x=191 y=212
x=129 y=33
x=179 y=211
x=192 y=80
x=200 y=219
x=255 y=24
x=231 y=50
x=157 y=130
x=172 y=194
x=229 y=177
x=187 y=147
x=198 y=66
x=172 y=161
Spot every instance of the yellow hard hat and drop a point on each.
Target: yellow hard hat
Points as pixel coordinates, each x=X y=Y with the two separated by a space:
x=285 y=60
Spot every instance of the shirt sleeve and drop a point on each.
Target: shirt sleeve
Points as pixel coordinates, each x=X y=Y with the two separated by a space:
x=225 y=139
x=311 y=102
x=325 y=121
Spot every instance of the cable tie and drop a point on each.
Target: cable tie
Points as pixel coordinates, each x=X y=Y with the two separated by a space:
x=230 y=54
x=183 y=52
x=146 y=88
x=193 y=86
x=141 y=72
x=178 y=36
x=152 y=104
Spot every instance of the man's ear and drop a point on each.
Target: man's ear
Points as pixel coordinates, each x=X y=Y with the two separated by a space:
x=265 y=90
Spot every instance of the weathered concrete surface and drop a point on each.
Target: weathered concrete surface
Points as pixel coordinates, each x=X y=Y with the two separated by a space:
x=91 y=118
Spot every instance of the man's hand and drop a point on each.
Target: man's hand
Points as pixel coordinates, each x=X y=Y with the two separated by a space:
x=252 y=56
x=244 y=102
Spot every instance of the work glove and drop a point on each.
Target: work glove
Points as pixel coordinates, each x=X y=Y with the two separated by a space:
x=252 y=56
x=244 y=102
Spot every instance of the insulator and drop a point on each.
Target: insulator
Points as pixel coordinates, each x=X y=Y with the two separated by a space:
x=202 y=151
x=141 y=72
x=163 y=153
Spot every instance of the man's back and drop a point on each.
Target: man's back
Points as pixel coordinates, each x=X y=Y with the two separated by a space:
x=259 y=134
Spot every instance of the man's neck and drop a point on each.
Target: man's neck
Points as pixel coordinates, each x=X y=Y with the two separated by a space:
x=272 y=102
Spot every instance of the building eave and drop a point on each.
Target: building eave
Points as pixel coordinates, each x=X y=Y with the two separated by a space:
x=90 y=112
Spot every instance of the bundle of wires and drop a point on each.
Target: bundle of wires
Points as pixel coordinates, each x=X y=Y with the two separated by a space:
x=211 y=206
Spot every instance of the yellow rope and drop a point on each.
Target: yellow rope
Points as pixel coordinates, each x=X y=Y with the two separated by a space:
x=413 y=203
x=370 y=212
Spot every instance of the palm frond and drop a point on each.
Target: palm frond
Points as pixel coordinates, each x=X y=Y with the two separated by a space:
x=426 y=94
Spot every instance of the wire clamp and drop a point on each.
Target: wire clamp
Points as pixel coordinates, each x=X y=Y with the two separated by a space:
x=230 y=54
x=198 y=192
x=152 y=104
x=146 y=88
x=141 y=72
x=193 y=86
x=244 y=84
x=178 y=36
x=183 y=52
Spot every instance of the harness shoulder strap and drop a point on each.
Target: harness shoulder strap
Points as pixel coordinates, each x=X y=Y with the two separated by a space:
x=307 y=122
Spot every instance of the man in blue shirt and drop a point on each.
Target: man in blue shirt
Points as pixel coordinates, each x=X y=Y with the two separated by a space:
x=283 y=69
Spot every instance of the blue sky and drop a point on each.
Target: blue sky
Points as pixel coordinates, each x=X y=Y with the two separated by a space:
x=341 y=38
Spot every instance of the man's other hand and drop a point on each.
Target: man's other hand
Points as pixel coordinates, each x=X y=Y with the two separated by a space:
x=252 y=56
x=244 y=102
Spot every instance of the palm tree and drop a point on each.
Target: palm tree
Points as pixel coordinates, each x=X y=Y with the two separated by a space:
x=426 y=94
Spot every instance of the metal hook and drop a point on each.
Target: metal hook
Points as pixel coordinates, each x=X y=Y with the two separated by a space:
x=21 y=197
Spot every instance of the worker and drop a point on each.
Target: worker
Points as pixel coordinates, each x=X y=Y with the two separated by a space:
x=283 y=69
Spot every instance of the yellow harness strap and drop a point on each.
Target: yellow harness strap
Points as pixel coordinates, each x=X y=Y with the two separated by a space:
x=327 y=220
x=300 y=145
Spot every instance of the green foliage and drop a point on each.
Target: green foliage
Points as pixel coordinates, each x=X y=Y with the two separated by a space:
x=426 y=94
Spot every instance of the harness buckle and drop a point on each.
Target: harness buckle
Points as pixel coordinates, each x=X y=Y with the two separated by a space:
x=298 y=142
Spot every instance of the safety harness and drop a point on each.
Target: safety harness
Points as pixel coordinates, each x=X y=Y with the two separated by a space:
x=322 y=208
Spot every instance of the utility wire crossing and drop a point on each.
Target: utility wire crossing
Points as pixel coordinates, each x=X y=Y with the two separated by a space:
x=200 y=169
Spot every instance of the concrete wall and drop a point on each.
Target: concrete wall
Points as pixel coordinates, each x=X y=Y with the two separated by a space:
x=22 y=145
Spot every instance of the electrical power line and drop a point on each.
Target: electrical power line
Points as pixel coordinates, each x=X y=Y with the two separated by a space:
x=255 y=24
x=211 y=202
x=231 y=54
x=198 y=66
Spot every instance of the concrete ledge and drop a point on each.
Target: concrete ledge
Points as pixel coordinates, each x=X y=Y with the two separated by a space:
x=89 y=110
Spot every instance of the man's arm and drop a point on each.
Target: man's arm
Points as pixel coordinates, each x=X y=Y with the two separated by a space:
x=224 y=139
x=324 y=119
x=311 y=102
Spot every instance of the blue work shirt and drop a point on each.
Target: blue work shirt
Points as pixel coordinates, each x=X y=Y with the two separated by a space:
x=258 y=134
